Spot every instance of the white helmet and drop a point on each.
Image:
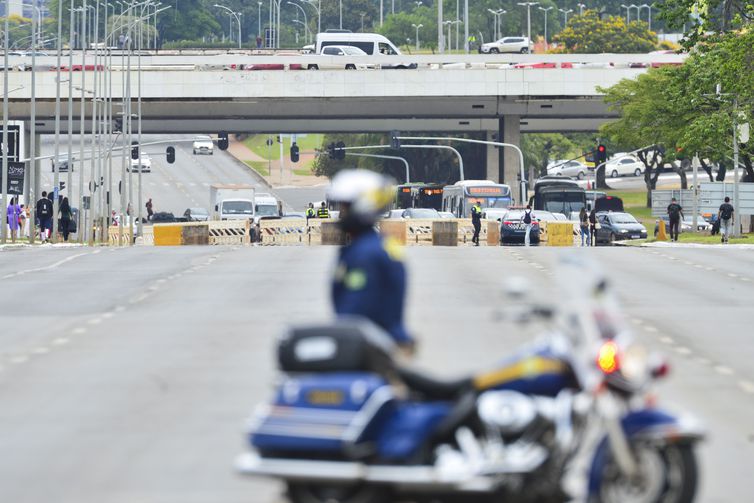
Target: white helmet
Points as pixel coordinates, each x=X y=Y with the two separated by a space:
x=364 y=196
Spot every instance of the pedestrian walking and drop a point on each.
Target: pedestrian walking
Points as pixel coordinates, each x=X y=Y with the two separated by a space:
x=586 y=239
x=13 y=215
x=44 y=214
x=527 y=219
x=675 y=214
x=726 y=217
x=593 y=227
x=259 y=42
x=150 y=209
x=122 y=41
x=476 y=221
x=66 y=215
x=323 y=212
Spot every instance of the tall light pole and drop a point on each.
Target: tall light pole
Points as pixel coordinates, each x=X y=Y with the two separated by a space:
x=450 y=41
x=440 y=41
x=581 y=7
x=528 y=6
x=417 y=26
x=362 y=21
x=319 y=15
x=306 y=25
x=259 y=19
x=638 y=11
x=545 y=10
x=237 y=15
x=565 y=14
x=4 y=189
x=649 y=10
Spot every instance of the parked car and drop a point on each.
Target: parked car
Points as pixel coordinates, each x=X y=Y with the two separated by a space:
x=571 y=169
x=196 y=215
x=626 y=166
x=393 y=214
x=446 y=214
x=687 y=224
x=203 y=145
x=618 y=226
x=513 y=228
x=163 y=217
x=145 y=164
x=494 y=213
x=520 y=45
x=423 y=213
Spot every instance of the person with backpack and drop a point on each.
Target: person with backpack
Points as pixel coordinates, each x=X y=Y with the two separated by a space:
x=476 y=221
x=44 y=214
x=675 y=213
x=66 y=215
x=725 y=217
x=527 y=219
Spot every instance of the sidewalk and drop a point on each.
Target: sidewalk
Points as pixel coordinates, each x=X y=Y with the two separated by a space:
x=289 y=179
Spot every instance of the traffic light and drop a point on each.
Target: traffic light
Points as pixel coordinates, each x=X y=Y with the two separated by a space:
x=340 y=154
x=331 y=151
x=394 y=141
x=222 y=140
x=601 y=157
x=171 y=155
x=135 y=150
x=294 y=152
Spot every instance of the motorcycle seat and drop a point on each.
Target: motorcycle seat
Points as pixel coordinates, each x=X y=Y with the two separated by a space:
x=434 y=389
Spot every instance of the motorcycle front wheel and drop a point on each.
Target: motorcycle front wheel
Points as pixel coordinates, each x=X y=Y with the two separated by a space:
x=667 y=474
x=335 y=493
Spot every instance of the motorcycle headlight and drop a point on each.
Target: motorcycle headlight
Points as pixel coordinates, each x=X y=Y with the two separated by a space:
x=635 y=364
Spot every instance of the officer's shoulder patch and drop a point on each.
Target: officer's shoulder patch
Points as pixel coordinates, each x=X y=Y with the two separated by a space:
x=394 y=248
x=355 y=279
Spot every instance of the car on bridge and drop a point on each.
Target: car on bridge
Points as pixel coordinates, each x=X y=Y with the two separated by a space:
x=521 y=45
x=341 y=50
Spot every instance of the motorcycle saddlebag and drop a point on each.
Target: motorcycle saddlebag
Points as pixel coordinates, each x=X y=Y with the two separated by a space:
x=347 y=345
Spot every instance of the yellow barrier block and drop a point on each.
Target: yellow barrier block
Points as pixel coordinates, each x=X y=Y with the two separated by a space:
x=394 y=229
x=559 y=234
x=493 y=233
x=662 y=234
x=168 y=235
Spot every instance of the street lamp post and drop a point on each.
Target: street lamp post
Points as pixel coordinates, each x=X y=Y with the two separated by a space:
x=546 y=10
x=319 y=15
x=528 y=6
x=565 y=14
x=306 y=24
x=450 y=41
x=259 y=19
x=581 y=7
x=237 y=15
x=416 y=26
x=649 y=11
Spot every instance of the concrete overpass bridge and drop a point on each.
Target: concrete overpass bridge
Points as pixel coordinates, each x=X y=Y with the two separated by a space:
x=500 y=95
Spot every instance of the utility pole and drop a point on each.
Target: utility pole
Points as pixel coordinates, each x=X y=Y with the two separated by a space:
x=440 y=41
x=4 y=208
x=528 y=6
x=545 y=10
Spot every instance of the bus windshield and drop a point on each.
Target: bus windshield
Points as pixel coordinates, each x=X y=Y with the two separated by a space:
x=563 y=202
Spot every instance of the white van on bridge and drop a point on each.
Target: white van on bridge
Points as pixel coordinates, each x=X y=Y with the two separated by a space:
x=370 y=43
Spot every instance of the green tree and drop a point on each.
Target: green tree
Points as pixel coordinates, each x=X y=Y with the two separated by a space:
x=589 y=34
x=702 y=18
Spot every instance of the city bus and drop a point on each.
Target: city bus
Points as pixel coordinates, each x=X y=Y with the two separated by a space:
x=418 y=195
x=558 y=195
x=460 y=197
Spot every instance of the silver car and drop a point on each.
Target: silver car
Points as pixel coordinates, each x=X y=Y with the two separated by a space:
x=571 y=169
x=521 y=45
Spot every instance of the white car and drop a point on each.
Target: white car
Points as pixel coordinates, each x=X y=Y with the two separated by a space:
x=145 y=165
x=494 y=213
x=203 y=145
x=344 y=51
x=571 y=169
x=520 y=45
x=626 y=166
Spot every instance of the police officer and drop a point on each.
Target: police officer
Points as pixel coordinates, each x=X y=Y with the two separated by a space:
x=370 y=279
x=310 y=212
x=323 y=212
x=476 y=221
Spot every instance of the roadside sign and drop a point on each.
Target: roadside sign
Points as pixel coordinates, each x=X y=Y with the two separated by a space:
x=712 y=195
x=661 y=200
x=16 y=172
x=15 y=140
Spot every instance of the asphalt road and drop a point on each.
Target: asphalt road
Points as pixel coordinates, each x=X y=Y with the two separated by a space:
x=126 y=375
x=184 y=184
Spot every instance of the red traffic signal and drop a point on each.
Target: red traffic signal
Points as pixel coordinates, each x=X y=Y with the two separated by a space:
x=601 y=157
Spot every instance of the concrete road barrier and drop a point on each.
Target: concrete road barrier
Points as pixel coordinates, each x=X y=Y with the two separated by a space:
x=559 y=234
x=168 y=234
x=396 y=229
x=331 y=233
x=445 y=233
x=493 y=233
x=230 y=232
x=114 y=237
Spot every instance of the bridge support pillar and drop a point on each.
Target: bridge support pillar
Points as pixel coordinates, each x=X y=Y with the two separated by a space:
x=509 y=132
x=493 y=159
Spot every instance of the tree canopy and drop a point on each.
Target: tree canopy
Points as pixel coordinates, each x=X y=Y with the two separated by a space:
x=589 y=34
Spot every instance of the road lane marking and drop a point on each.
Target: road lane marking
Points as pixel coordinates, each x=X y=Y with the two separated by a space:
x=41 y=350
x=683 y=350
x=722 y=369
x=732 y=275
x=709 y=268
x=17 y=360
x=60 y=341
x=702 y=360
x=46 y=268
x=666 y=340
x=95 y=321
x=78 y=331
x=651 y=329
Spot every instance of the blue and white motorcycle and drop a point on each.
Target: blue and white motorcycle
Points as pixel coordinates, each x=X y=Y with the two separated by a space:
x=564 y=420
